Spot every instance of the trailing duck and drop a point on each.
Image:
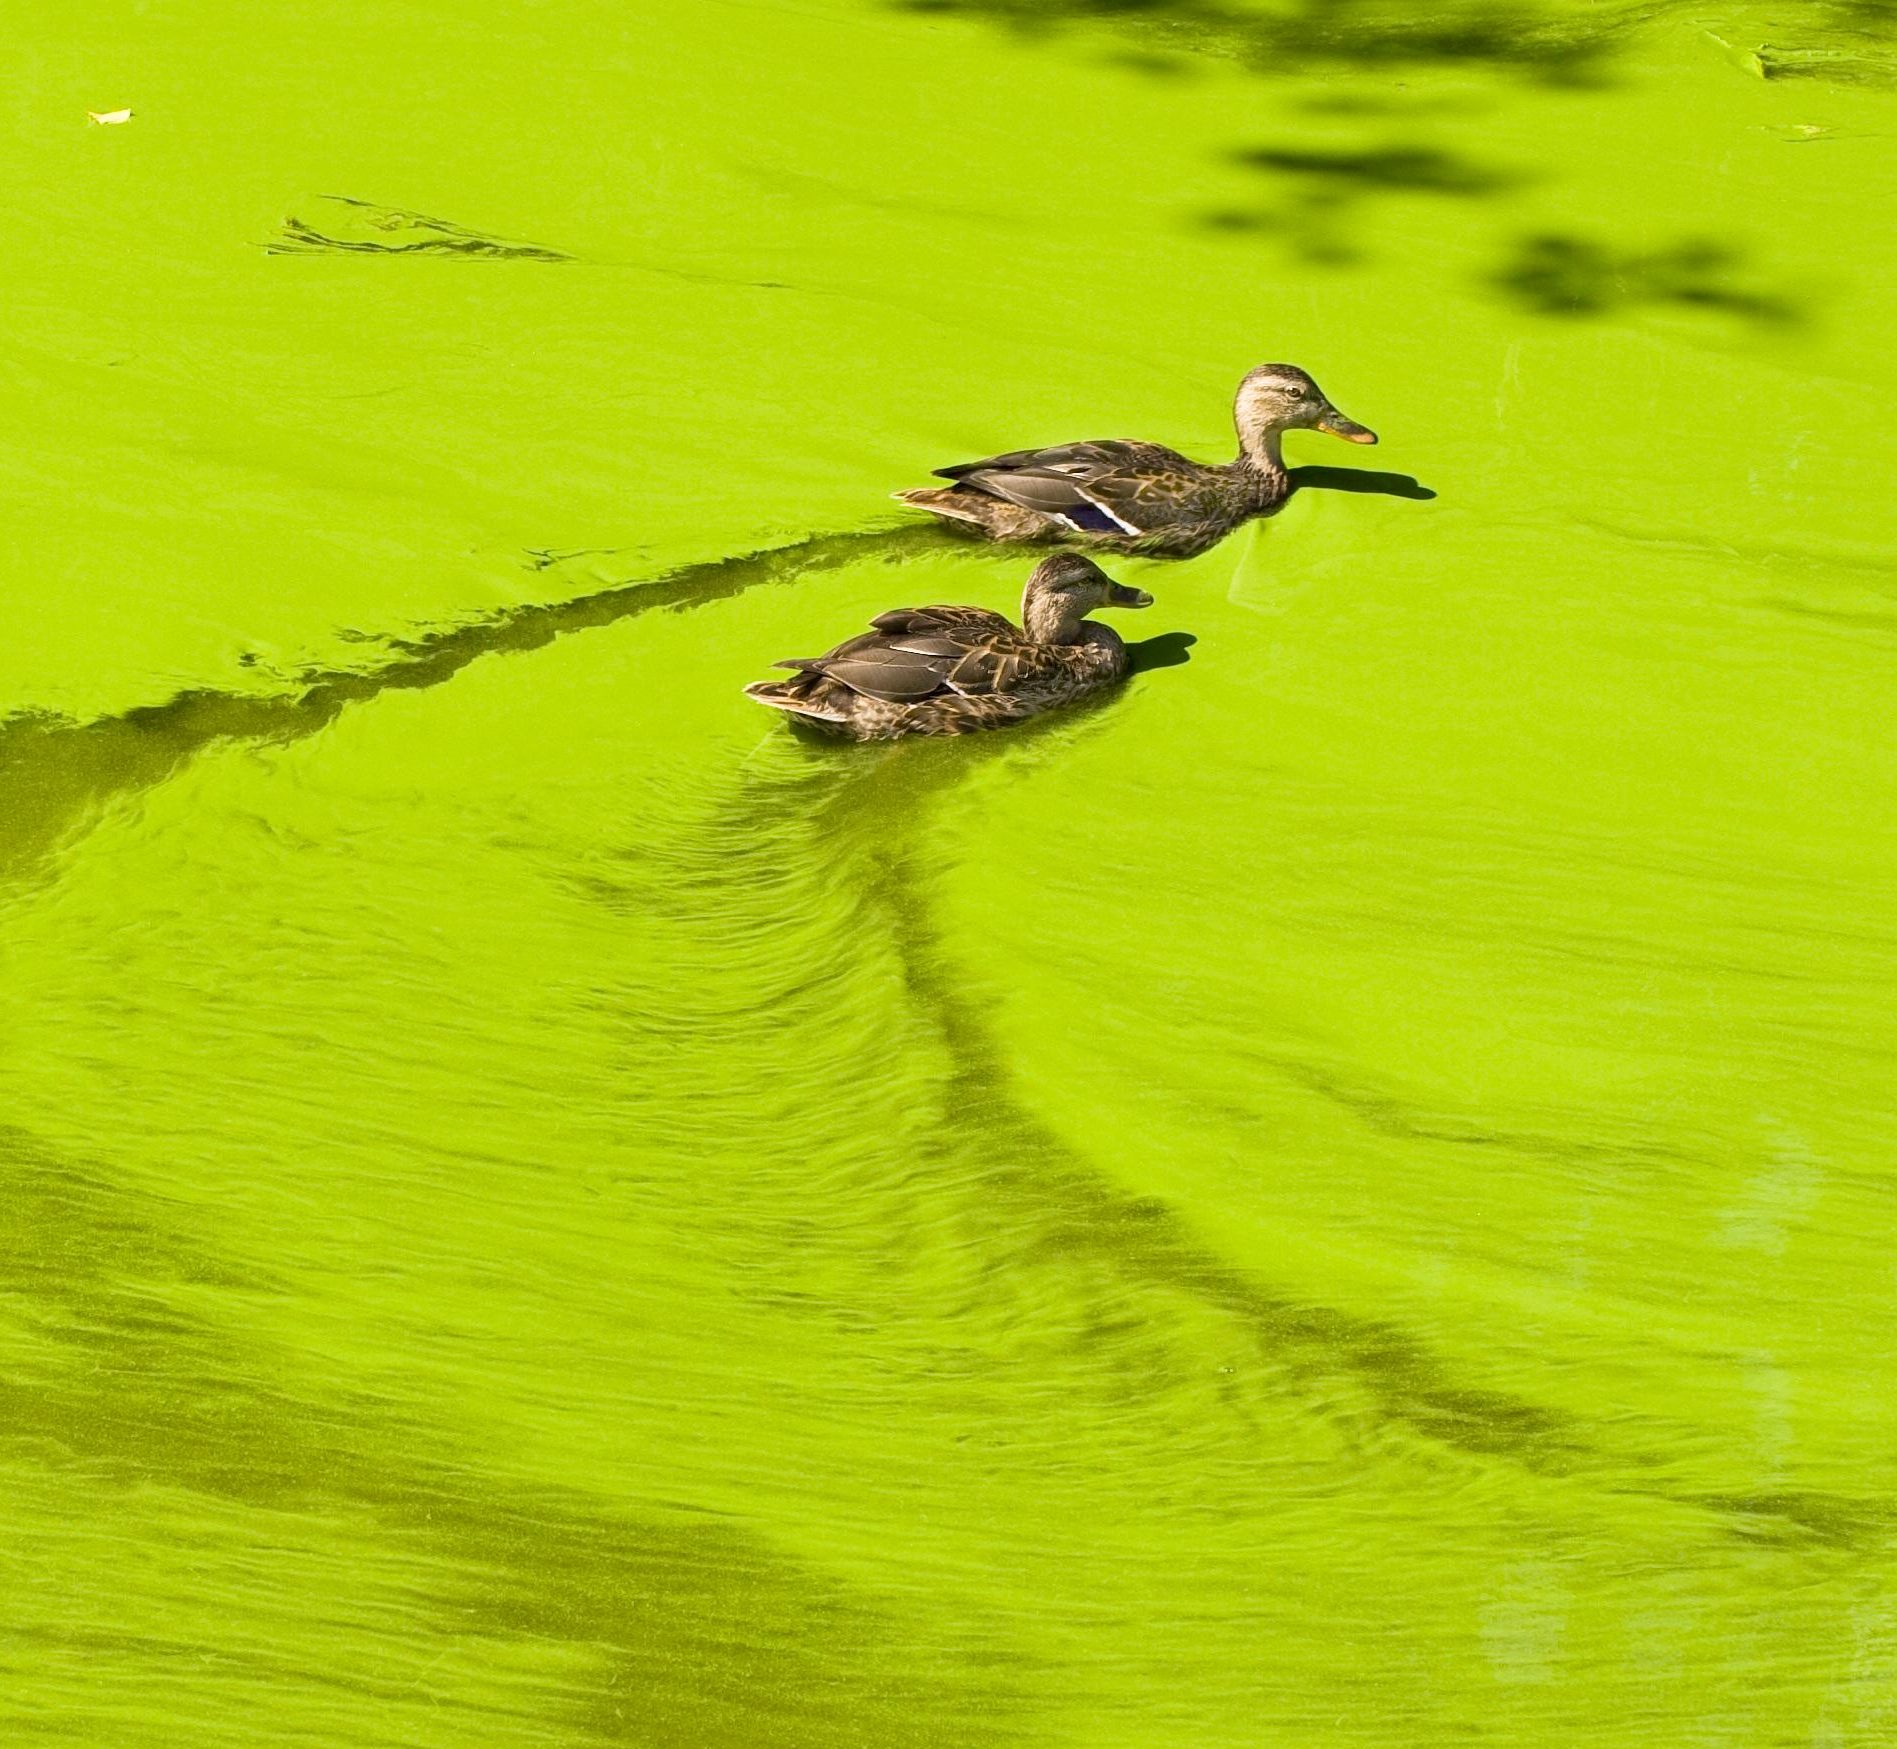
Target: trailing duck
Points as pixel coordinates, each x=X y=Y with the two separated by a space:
x=951 y=670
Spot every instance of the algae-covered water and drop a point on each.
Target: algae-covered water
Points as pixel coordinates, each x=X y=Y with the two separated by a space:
x=1342 y=1197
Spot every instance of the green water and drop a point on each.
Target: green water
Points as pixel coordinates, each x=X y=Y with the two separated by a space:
x=1341 y=1198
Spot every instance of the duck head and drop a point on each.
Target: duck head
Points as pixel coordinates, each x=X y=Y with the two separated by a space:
x=1276 y=398
x=1063 y=590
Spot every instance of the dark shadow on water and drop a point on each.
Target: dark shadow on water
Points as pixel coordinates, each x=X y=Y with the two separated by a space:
x=1544 y=43
x=1365 y=480
x=1399 y=166
x=1318 y=192
x=1564 y=275
x=56 y=773
x=1153 y=66
x=1316 y=205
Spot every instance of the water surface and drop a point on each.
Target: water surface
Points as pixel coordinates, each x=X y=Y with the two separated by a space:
x=1342 y=1197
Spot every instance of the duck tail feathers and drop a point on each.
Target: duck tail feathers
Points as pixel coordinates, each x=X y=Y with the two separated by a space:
x=949 y=501
x=793 y=695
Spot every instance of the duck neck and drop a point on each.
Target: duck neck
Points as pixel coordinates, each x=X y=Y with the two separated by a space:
x=1050 y=619
x=1261 y=456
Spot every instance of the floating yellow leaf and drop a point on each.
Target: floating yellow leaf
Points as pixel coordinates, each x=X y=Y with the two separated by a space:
x=108 y=118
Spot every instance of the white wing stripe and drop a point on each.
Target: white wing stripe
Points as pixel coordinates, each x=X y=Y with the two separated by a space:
x=1107 y=510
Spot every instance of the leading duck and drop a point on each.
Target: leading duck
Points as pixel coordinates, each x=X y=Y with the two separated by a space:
x=1143 y=498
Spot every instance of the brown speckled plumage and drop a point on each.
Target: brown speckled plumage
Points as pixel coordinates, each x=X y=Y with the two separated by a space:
x=952 y=670
x=1131 y=497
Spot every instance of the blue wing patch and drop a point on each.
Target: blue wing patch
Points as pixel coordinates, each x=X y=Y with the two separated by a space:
x=1090 y=519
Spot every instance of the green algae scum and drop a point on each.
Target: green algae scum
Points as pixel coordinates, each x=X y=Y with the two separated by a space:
x=1338 y=1197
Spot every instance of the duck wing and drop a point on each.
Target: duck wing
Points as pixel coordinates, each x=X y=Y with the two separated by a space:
x=1080 y=460
x=1112 y=487
x=1001 y=665
x=898 y=670
x=968 y=621
x=929 y=652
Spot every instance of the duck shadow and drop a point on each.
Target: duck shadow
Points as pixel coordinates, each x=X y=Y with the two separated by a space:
x=1166 y=650
x=1370 y=480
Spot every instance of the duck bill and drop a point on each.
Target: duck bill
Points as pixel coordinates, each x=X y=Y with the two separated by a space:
x=1125 y=597
x=1348 y=429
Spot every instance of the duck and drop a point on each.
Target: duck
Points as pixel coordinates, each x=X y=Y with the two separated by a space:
x=1132 y=497
x=953 y=670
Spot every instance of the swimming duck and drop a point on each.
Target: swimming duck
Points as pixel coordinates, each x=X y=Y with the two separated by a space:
x=1142 y=497
x=950 y=670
